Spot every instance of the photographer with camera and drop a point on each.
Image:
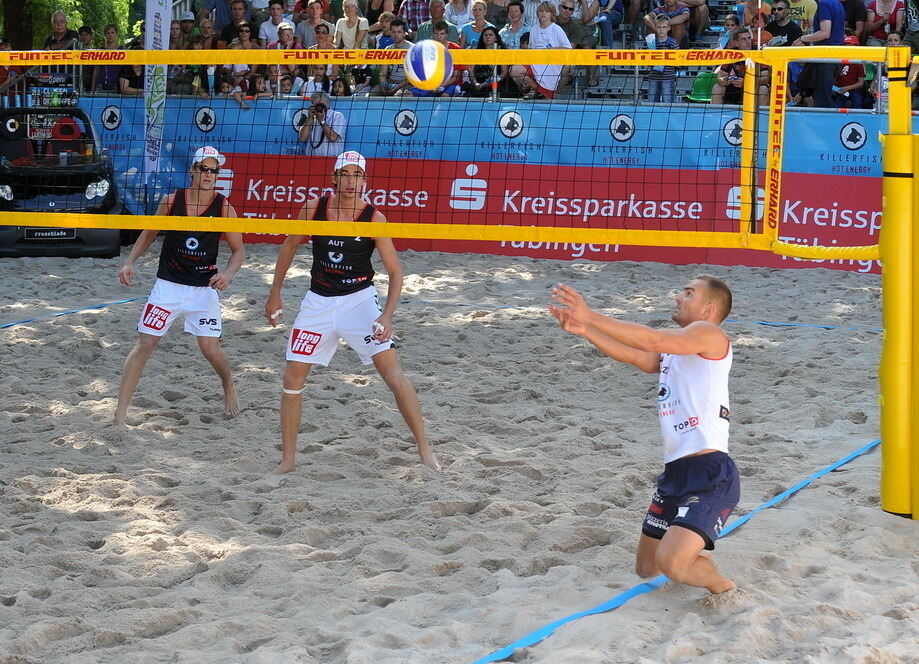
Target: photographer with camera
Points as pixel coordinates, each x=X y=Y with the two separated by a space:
x=323 y=129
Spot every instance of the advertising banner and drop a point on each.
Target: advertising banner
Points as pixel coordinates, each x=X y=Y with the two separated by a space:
x=156 y=37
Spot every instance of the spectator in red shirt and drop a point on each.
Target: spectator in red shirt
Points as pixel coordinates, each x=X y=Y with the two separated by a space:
x=850 y=80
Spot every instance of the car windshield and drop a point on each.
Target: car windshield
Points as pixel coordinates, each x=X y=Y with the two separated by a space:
x=46 y=140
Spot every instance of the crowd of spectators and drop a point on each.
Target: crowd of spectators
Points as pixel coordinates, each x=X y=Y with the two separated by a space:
x=504 y=24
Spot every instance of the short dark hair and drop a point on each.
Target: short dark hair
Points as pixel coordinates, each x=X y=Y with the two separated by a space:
x=86 y=29
x=398 y=22
x=276 y=2
x=720 y=294
x=439 y=26
x=742 y=30
x=515 y=3
x=236 y=2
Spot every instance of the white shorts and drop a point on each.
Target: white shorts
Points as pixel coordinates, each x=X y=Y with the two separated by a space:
x=323 y=321
x=199 y=304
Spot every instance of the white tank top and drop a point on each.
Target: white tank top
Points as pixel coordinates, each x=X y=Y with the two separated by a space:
x=692 y=399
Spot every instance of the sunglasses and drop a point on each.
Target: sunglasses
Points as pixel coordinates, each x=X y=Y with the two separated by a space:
x=245 y=30
x=208 y=169
x=323 y=31
x=567 y=9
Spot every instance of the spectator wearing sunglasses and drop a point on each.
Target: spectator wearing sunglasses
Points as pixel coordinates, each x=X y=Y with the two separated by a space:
x=238 y=17
x=306 y=30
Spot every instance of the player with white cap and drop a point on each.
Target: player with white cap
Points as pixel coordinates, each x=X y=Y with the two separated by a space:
x=342 y=303
x=188 y=280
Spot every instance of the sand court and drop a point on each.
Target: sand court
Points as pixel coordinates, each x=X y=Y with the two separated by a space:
x=171 y=542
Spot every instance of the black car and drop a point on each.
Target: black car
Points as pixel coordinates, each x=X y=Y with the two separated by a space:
x=51 y=161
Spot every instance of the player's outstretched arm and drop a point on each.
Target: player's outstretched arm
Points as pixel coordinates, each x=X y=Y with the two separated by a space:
x=700 y=337
x=646 y=361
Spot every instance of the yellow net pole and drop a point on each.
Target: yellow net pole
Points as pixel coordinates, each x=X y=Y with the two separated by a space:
x=912 y=443
x=898 y=385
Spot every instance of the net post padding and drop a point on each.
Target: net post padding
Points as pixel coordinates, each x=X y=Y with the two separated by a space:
x=899 y=451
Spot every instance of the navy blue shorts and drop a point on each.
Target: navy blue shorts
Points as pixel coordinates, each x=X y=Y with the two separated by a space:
x=698 y=493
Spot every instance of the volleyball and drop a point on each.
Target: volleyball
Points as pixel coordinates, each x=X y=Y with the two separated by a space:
x=428 y=64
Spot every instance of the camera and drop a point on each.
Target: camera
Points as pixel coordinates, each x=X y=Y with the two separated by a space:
x=319 y=109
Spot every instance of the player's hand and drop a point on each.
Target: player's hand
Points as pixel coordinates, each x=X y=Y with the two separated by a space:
x=273 y=310
x=573 y=302
x=567 y=322
x=382 y=329
x=126 y=274
x=219 y=282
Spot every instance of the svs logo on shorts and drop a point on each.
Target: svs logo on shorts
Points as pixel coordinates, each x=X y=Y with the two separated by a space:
x=686 y=425
x=207 y=321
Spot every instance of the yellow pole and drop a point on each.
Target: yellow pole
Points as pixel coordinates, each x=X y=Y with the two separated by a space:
x=898 y=292
x=912 y=448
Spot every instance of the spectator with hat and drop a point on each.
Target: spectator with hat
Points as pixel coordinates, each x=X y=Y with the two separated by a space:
x=186 y=24
x=850 y=80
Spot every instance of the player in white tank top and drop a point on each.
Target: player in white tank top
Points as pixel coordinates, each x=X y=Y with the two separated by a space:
x=692 y=400
x=700 y=484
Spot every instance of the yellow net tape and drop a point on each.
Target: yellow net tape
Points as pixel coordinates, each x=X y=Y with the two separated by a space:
x=776 y=56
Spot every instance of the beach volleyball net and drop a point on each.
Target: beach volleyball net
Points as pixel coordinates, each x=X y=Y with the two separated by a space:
x=599 y=165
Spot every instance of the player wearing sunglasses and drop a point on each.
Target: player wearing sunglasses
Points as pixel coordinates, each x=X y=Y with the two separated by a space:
x=187 y=280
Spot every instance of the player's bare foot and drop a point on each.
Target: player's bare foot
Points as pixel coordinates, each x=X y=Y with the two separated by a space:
x=428 y=458
x=283 y=468
x=723 y=586
x=230 y=403
x=119 y=421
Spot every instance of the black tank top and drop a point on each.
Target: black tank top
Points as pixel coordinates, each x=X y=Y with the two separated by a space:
x=373 y=15
x=190 y=257
x=341 y=265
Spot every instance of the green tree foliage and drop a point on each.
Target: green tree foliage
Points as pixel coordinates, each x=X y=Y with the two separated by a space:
x=27 y=23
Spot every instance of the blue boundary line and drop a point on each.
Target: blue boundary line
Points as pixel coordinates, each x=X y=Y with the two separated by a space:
x=71 y=311
x=642 y=588
x=460 y=304
x=821 y=326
